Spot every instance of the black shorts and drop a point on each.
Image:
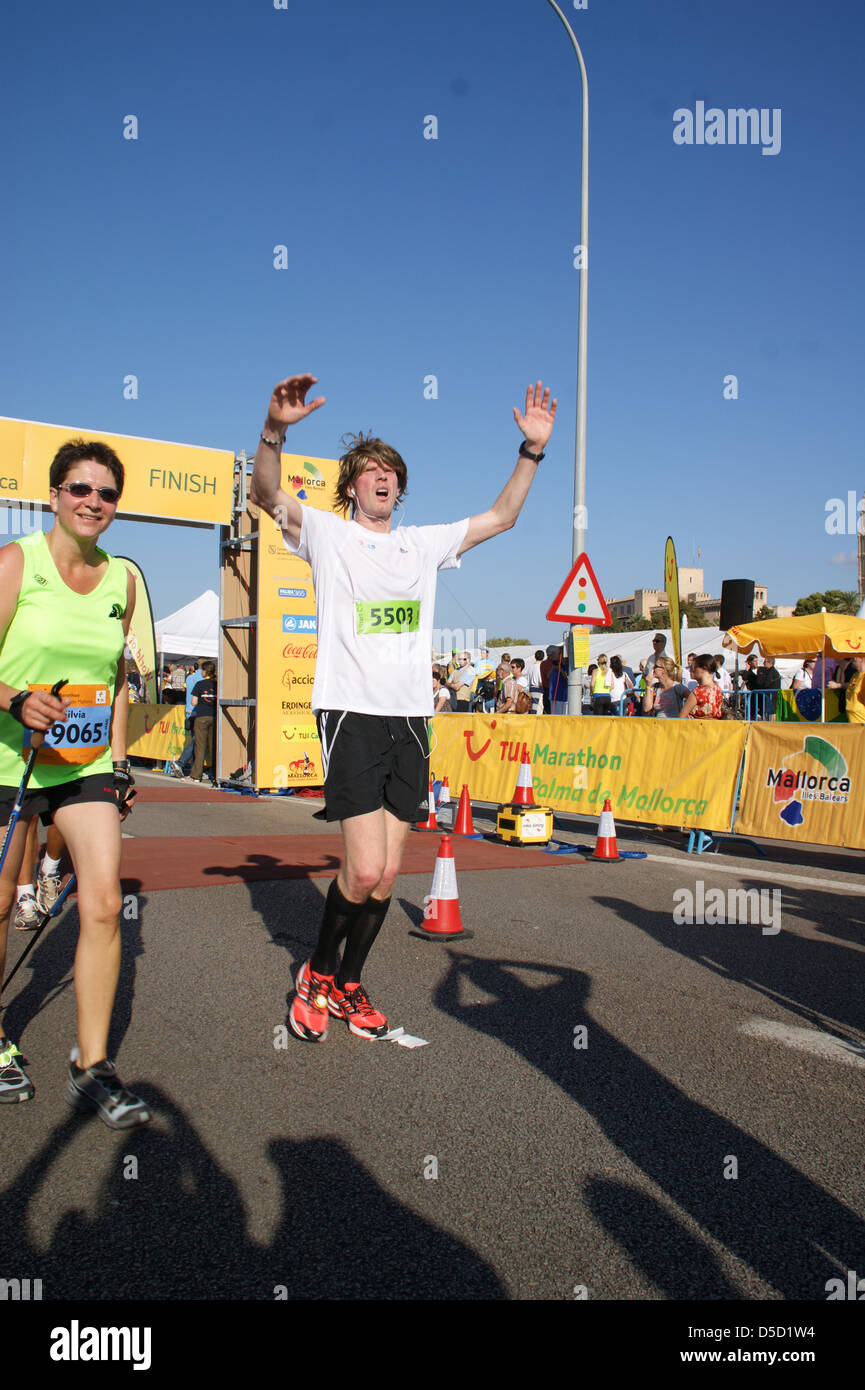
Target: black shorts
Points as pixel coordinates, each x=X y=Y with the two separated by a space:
x=44 y=801
x=372 y=761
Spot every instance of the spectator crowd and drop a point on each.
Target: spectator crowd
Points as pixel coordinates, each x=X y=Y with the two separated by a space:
x=703 y=688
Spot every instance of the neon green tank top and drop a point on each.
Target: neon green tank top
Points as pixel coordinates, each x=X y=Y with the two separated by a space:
x=58 y=634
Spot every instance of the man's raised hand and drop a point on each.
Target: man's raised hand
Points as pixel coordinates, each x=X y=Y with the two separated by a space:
x=288 y=403
x=537 y=422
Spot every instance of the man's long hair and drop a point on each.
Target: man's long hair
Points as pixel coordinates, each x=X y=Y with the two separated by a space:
x=361 y=449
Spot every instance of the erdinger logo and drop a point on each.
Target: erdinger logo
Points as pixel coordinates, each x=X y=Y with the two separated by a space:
x=292 y=652
x=817 y=772
x=292 y=706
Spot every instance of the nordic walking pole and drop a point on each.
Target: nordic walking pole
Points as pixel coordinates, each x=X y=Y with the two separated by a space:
x=37 y=739
x=39 y=929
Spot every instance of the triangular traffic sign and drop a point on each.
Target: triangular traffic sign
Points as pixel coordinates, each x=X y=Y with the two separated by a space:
x=580 y=599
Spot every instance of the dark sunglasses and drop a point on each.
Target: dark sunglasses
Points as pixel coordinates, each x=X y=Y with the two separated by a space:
x=82 y=490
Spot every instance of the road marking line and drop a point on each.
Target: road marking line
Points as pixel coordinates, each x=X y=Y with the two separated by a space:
x=807 y=1040
x=740 y=872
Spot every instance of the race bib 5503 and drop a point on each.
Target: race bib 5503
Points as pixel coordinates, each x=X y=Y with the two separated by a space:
x=400 y=615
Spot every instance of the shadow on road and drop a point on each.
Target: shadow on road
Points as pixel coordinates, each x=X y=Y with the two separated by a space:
x=792 y=1233
x=172 y=1225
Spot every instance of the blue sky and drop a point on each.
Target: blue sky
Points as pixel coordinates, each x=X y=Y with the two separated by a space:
x=453 y=257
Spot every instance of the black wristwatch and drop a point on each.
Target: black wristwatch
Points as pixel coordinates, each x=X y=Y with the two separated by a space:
x=16 y=704
x=526 y=453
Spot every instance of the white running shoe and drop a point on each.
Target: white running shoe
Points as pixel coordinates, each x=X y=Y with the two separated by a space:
x=48 y=888
x=26 y=913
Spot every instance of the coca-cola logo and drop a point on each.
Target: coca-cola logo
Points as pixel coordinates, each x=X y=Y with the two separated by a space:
x=294 y=652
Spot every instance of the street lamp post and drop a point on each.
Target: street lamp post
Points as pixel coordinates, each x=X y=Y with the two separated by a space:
x=580 y=518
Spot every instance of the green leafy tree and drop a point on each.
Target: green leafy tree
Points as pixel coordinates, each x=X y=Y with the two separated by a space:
x=834 y=601
x=765 y=612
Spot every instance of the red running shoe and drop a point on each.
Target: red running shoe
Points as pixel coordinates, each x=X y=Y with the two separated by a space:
x=308 y=1014
x=352 y=1004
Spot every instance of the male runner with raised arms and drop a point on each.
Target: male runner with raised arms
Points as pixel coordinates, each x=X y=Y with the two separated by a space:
x=65 y=610
x=375 y=596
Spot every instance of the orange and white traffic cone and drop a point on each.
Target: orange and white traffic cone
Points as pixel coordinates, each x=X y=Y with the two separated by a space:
x=430 y=823
x=464 y=825
x=442 y=921
x=523 y=794
x=605 y=849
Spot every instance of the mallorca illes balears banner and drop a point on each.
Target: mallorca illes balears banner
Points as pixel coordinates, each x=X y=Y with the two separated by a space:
x=805 y=784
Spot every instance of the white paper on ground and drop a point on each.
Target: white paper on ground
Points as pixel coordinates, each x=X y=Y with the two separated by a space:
x=404 y=1039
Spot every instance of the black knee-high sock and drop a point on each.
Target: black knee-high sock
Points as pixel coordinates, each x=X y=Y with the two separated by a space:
x=362 y=933
x=339 y=915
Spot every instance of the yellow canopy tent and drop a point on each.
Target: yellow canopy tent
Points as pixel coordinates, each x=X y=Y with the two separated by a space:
x=811 y=634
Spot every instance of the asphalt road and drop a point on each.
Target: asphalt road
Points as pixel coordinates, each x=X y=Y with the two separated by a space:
x=609 y=1101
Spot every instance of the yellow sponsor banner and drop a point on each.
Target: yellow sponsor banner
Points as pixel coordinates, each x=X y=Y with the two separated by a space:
x=172 y=481
x=11 y=458
x=660 y=771
x=288 y=752
x=156 y=731
x=805 y=783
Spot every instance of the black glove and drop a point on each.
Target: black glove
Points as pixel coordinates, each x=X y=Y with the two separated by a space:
x=124 y=788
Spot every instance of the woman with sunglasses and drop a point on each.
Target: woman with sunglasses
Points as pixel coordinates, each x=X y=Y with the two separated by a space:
x=665 y=694
x=65 y=609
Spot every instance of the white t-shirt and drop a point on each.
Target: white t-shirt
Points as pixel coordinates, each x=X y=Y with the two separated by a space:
x=375 y=596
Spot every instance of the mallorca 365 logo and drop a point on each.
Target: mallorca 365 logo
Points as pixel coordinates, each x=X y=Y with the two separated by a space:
x=310 y=479
x=817 y=772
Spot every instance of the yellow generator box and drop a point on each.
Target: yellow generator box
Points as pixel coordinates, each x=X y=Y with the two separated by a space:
x=524 y=825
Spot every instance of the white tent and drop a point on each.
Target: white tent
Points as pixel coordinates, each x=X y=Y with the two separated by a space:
x=191 y=631
x=635 y=647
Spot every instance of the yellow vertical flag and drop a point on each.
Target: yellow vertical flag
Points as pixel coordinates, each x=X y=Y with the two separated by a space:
x=671 y=585
x=141 y=639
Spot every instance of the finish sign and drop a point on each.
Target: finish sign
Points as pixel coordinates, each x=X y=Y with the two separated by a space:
x=580 y=599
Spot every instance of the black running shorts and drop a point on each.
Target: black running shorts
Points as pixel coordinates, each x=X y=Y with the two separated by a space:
x=44 y=801
x=372 y=761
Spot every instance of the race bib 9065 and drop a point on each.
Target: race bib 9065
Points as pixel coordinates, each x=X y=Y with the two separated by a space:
x=400 y=615
x=83 y=735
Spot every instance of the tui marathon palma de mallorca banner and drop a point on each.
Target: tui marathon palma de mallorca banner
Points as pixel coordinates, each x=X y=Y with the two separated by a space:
x=287 y=750
x=805 y=783
x=164 y=481
x=661 y=771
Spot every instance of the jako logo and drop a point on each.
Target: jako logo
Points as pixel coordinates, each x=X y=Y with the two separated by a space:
x=292 y=593
x=733 y=127
x=298 y=622
x=76 y=1343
